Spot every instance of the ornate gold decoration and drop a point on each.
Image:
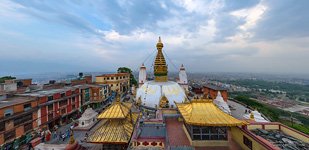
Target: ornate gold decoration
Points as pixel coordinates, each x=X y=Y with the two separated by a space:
x=252 y=116
x=164 y=102
x=72 y=140
x=139 y=101
x=203 y=112
x=160 y=67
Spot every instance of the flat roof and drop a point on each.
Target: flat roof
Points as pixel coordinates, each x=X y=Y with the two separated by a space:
x=11 y=101
x=214 y=87
x=82 y=86
x=112 y=75
x=48 y=92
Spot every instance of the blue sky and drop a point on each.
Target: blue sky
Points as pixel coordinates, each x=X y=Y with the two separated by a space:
x=204 y=35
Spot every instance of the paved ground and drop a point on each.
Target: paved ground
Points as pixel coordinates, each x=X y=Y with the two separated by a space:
x=176 y=134
x=78 y=135
x=237 y=109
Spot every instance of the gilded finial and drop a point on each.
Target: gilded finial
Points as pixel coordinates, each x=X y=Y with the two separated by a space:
x=72 y=140
x=118 y=98
x=251 y=116
x=159 y=44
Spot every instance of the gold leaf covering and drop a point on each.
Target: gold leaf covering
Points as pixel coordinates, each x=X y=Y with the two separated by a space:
x=203 y=112
x=116 y=131
x=116 y=110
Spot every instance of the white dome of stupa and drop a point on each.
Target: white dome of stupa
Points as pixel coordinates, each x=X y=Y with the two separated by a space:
x=151 y=92
x=160 y=92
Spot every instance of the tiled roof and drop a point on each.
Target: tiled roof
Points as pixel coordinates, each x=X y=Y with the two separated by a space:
x=114 y=131
x=116 y=110
x=203 y=112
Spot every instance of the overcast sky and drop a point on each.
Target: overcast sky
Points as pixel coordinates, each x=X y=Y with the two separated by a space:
x=267 y=36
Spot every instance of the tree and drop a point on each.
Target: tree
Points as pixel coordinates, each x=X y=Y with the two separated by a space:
x=128 y=70
x=2 y=79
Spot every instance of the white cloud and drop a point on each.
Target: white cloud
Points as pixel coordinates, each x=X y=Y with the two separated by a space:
x=189 y=37
x=201 y=6
x=251 y=15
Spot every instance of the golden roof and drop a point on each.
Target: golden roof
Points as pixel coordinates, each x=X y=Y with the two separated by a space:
x=160 y=67
x=116 y=110
x=117 y=131
x=203 y=112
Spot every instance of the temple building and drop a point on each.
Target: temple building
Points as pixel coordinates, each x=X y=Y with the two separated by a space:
x=205 y=124
x=117 y=124
x=167 y=119
x=160 y=92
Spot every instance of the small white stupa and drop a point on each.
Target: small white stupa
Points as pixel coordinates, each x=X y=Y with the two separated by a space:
x=255 y=115
x=221 y=104
x=183 y=79
x=88 y=118
x=142 y=76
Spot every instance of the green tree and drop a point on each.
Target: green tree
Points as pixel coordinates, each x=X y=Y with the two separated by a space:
x=128 y=70
x=2 y=79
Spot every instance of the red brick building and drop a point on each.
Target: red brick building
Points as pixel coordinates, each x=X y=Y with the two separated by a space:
x=18 y=118
x=56 y=106
x=212 y=91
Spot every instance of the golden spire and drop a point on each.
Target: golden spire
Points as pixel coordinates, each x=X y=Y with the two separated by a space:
x=160 y=67
x=118 y=98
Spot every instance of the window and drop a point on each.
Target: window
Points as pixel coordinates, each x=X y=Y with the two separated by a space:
x=27 y=107
x=62 y=94
x=247 y=142
x=63 y=111
x=9 y=135
x=111 y=85
x=116 y=78
x=8 y=112
x=73 y=100
x=112 y=78
x=62 y=103
x=50 y=107
x=22 y=119
x=209 y=133
x=27 y=127
x=117 y=85
x=2 y=126
x=50 y=98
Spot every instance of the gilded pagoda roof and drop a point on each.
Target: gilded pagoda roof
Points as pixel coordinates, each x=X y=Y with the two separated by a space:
x=203 y=112
x=117 y=131
x=116 y=110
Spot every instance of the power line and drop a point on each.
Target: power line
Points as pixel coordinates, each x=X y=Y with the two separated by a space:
x=137 y=69
x=170 y=61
